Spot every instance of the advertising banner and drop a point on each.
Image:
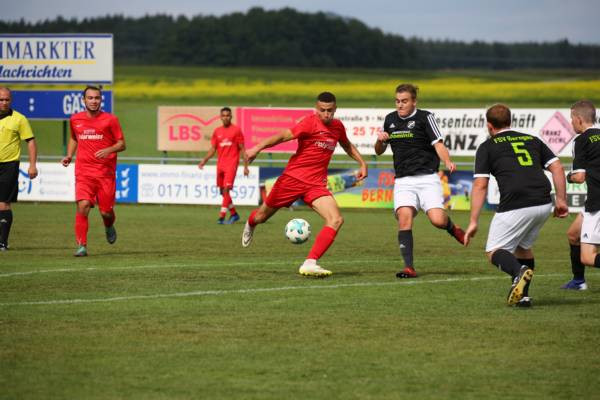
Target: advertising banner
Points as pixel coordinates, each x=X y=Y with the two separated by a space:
x=54 y=104
x=53 y=183
x=56 y=58
x=127 y=183
x=186 y=128
x=187 y=184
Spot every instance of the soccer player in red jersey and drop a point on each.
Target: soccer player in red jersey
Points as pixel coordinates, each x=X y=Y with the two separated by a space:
x=228 y=142
x=97 y=137
x=305 y=177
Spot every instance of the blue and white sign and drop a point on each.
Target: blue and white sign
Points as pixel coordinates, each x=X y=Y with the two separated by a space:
x=56 y=58
x=127 y=183
x=53 y=183
x=54 y=104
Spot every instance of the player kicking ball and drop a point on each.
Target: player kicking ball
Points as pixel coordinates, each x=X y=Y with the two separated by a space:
x=97 y=137
x=305 y=177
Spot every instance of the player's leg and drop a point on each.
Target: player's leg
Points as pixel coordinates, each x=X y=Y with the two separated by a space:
x=82 y=226
x=9 y=190
x=577 y=267
x=589 y=255
x=431 y=200
x=590 y=239
x=406 y=206
x=327 y=208
x=106 y=206
x=257 y=216
x=525 y=258
x=224 y=203
x=229 y=181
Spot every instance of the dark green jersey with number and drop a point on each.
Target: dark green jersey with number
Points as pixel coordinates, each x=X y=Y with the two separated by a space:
x=517 y=161
x=586 y=158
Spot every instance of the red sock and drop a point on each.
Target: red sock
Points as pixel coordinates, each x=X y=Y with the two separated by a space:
x=225 y=204
x=251 y=218
x=81 y=229
x=110 y=220
x=324 y=239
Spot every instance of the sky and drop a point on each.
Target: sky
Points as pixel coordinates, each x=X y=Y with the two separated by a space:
x=464 y=20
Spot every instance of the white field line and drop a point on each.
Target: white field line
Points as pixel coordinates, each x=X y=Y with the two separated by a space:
x=260 y=290
x=286 y=263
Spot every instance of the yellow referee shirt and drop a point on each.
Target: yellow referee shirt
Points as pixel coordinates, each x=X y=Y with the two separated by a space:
x=13 y=129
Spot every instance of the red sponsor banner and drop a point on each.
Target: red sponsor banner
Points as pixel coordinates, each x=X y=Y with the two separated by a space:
x=186 y=128
x=260 y=123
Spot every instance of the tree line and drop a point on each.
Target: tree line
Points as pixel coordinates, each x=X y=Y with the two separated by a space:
x=291 y=38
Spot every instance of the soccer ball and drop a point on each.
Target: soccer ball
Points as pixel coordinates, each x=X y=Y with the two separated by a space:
x=297 y=231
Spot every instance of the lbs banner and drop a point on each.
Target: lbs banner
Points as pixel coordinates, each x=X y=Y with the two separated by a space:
x=56 y=58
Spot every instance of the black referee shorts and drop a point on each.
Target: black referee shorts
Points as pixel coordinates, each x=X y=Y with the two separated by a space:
x=9 y=181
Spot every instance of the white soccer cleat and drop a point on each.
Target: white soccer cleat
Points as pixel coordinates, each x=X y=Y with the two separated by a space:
x=310 y=268
x=247 y=234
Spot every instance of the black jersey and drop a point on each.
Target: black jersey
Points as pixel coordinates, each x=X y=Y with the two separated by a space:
x=412 y=139
x=586 y=158
x=517 y=161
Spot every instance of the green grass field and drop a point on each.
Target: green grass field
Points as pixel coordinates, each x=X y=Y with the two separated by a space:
x=176 y=309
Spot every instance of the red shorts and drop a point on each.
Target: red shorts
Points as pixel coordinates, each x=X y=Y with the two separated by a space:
x=287 y=190
x=226 y=177
x=100 y=190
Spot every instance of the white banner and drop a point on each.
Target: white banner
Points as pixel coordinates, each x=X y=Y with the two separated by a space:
x=464 y=129
x=56 y=58
x=53 y=183
x=187 y=184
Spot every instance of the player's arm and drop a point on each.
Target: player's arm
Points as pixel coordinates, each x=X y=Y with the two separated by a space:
x=284 y=136
x=576 y=177
x=561 y=209
x=244 y=158
x=478 y=193
x=381 y=143
x=71 y=148
x=115 y=148
x=444 y=155
x=211 y=152
x=32 y=151
x=353 y=152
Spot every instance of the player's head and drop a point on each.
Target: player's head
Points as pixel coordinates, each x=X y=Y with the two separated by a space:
x=498 y=118
x=92 y=98
x=5 y=99
x=226 y=116
x=326 y=106
x=583 y=115
x=406 y=99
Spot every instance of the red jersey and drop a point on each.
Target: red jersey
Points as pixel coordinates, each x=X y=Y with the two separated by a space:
x=93 y=134
x=316 y=143
x=227 y=141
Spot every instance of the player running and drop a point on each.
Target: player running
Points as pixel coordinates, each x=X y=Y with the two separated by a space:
x=228 y=142
x=517 y=161
x=418 y=146
x=97 y=137
x=305 y=177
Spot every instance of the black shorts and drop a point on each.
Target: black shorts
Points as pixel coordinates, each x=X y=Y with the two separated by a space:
x=9 y=181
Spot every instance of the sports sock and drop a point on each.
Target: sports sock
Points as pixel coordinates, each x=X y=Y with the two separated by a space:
x=6 y=218
x=81 y=229
x=251 y=221
x=110 y=220
x=530 y=262
x=405 y=241
x=225 y=204
x=324 y=239
x=597 y=261
x=450 y=227
x=576 y=266
x=507 y=262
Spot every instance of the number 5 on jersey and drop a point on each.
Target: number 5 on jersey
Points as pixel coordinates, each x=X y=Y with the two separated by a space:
x=522 y=154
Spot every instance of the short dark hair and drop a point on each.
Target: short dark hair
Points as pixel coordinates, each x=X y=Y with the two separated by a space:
x=499 y=116
x=408 y=87
x=92 y=87
x=585 y=110
x=326 y=97
x=225 y=109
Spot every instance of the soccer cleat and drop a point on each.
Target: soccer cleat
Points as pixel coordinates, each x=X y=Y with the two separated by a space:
x=3 y=247
x=233 y=219
x=81 y=251
x=221 y=221
x=575 y=284
x=458 y=234
x=247 y=234
x=111 y=234
x=516 y=290
x=310 y=268
x=525 y=302
x=407 y=272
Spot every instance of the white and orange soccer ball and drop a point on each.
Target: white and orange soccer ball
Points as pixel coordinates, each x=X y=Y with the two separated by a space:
x=297 y=230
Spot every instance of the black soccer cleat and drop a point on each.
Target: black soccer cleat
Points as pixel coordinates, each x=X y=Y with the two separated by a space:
x=516 y=292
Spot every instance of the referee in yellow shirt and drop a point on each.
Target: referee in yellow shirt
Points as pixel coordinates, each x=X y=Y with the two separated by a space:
x=14 y=128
